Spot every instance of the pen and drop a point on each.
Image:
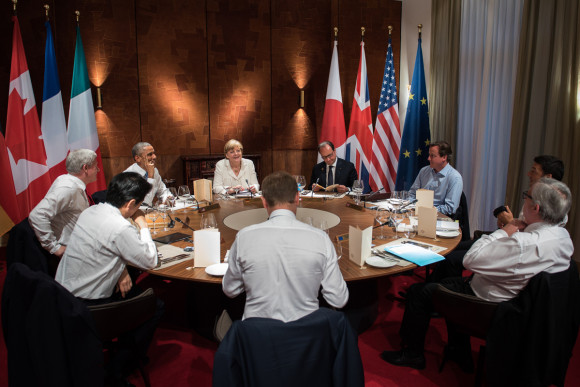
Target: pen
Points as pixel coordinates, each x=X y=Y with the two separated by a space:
x=418 y=244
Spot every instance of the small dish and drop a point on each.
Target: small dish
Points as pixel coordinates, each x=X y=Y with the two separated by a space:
x=217 y=270
x=379 y=262
x=447 y=234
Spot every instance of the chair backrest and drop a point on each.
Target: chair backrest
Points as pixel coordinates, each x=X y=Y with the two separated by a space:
x=320 y=349
x=469 y=314
x=462 y=215
x=99 y=196
x=50 y=337
x=24 y=247
x=116 y=318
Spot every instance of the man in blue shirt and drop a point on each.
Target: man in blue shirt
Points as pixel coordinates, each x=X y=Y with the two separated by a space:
x=441 y=178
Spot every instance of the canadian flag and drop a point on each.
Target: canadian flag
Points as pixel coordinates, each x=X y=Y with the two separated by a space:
x=24 y=143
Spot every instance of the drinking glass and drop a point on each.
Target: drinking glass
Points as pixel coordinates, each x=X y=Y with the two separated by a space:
x=301 y=181
x=183 y=193
x=410 y=231
x=163 y=214
x=382 y=216
x=338 y=248
x=308 y=220
x=397 y=219
x=172 y=197
x=208 y=221
x=324 y=225
x=358 y=187
x=152 y=214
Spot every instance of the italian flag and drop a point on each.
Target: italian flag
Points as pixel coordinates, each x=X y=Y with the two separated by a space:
x=82 y=126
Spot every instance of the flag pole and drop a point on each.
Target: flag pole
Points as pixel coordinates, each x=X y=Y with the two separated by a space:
x=46 y=8
x=419 y=26
x=78 y=15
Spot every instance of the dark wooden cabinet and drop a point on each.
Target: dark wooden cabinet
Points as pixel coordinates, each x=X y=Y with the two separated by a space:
x=203 y=166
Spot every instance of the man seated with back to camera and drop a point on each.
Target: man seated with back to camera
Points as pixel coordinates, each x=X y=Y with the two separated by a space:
x=502 y=262
x=441 y=178
x=145 y=158
x=452 y=266
x=282 y=263
x=332 y=170
x=94 y=265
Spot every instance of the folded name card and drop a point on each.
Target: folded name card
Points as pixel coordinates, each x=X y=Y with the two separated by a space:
x=207 y=247
x=427 y=222
x=359 y=244
x=424 y=199
x=202 y=189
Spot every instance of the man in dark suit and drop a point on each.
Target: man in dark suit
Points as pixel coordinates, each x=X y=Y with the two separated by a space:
x=332 y=170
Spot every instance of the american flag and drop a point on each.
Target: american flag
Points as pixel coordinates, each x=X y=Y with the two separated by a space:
x=387 y=135
x=360 y=128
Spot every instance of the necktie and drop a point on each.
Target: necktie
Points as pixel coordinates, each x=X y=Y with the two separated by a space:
x=146 y=175
x=330 y=176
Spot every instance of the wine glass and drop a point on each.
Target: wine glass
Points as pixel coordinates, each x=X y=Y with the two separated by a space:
x=152 y=214
x=397 y=219
x=338 y=248
x=358 y=187
x=172 y=198
x=183 y=193
x=410 y=230
x=163 y=214
x=208 y=221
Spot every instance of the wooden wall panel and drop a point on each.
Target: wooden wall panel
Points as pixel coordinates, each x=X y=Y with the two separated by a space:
x=301 y=52
x=239 y=73
x=173 y=80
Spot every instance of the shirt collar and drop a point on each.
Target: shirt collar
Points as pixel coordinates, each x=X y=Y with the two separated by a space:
x=140 y=170
x=445 y=171
x=78 y=182
x=281 y=212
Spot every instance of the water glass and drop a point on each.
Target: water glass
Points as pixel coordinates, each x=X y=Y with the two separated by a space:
x=410 y=230
x=357 y=187
x=152 y=214
x=172 y=197
x=338 y=248
x=162 y=208
x=183 y=193
x=208 y=221
x=381 y=216
x=301 y=181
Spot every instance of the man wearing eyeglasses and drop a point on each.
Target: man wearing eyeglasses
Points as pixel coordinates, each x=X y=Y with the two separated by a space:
x=332 y=170
x=502 y=262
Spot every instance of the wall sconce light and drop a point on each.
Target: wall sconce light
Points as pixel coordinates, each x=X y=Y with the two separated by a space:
x=301 y=98
x=99 y=99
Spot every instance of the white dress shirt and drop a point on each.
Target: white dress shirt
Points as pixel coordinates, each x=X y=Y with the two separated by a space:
x=503 y=265
x=224 y=176
x=159 y=190
x=281 y=265
x=447 y=185
x=101 y=245
x=55 y=216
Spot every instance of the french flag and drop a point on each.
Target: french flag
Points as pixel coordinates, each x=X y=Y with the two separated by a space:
x=53 y=123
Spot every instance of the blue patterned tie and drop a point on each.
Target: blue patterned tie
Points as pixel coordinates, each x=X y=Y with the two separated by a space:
x=330 y=176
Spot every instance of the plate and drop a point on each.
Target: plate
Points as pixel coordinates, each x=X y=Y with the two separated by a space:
x=447 y=234
x=217 y=270
x=378 y=262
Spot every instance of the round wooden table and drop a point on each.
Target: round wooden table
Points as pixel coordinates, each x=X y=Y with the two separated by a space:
x=206 y=299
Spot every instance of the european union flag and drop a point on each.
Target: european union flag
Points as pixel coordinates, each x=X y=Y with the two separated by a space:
x=414 y=149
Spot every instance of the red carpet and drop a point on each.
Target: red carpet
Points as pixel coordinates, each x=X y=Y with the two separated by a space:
x=180 y=357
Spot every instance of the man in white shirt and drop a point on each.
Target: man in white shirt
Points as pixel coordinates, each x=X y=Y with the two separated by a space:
x=282 y=263
x=55 y=216
x=502 y=262
x=103 y=242
x=145 y=157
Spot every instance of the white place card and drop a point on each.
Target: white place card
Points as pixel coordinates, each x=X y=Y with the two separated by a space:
x=424 y=199
x=202 y=189
x=207 y=247
x=427 y=222
x=359 y=244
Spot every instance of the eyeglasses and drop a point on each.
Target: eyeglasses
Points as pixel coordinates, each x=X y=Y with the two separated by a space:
x=327 y=156
x=527 y=195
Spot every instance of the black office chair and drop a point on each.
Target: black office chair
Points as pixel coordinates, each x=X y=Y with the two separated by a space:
x=467 y=314
x=320 y=349
x=99 y=196
x=114 y=319
x=24 y=247
x=462 y=215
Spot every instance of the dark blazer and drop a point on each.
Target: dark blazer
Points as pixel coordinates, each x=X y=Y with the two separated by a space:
x=345 y=173
x=320 y=349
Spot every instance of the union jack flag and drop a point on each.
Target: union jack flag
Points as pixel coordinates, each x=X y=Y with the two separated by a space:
x=387 y=135
x=360 y=128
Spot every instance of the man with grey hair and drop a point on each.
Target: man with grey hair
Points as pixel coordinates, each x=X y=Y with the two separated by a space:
x=55 y=216
x=502 y=264
x=332 y=170
x=282 y=263
x=145 y=157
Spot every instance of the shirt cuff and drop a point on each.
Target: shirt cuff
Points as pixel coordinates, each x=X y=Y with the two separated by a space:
x=145 y=234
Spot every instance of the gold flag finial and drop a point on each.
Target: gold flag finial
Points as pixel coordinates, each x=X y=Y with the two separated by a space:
x=14 y=2
x=46 y=8
x=335 y=32
x=362 y=31
x=78 y=15
x=390 y=30
x=419 y=26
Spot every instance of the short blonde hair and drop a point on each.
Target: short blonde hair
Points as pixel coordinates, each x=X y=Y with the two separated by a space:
x=233 y=144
